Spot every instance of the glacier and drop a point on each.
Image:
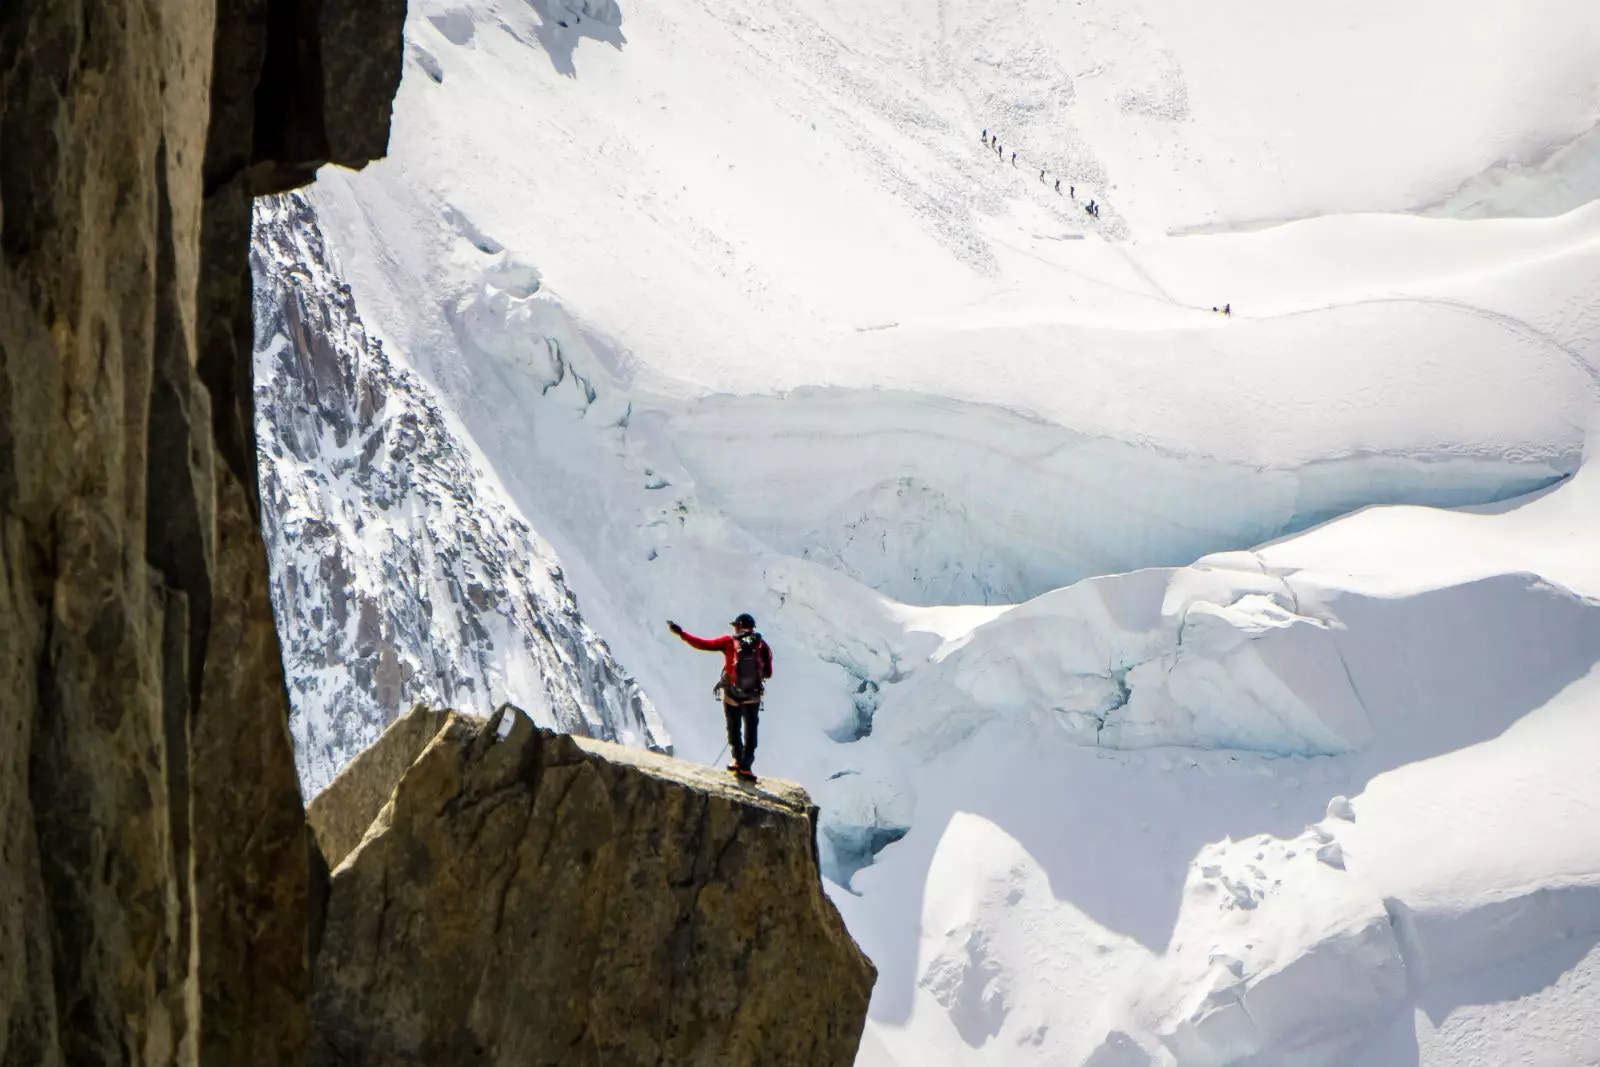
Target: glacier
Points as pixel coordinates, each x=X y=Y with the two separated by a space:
x=1177 y=689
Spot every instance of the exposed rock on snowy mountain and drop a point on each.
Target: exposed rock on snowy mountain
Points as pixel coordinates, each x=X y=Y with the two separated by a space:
x=399 y=572
x=523 y=897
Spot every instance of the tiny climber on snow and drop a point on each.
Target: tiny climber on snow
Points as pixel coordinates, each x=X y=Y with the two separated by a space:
x=746 y=666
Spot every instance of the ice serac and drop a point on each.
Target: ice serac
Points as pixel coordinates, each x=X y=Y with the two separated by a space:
x=530 y=897
x=1219 y=655
x=399 y=570
x=153 y=850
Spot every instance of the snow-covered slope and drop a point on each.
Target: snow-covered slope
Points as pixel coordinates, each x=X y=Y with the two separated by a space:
x=399 y=573
x=791 y=258
x=735 y=308
x=1223 y=900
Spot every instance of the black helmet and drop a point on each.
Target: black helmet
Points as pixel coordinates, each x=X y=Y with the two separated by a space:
x=747 y=620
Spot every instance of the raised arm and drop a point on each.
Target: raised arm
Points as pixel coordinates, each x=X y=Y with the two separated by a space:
x=704 y=644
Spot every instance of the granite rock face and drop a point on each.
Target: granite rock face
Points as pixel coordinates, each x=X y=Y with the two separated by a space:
x=529 y=898
x=155 y=870
x=342 y=813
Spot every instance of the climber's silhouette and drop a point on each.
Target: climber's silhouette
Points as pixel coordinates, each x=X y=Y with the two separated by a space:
x=746 y=666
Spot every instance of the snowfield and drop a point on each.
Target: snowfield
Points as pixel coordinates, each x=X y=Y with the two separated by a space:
x=1207 y=857
x=1178 y=689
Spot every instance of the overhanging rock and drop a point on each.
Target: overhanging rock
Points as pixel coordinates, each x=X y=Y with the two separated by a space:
x=529 y=898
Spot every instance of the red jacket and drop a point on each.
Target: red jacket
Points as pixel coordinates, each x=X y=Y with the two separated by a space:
x=725 y=645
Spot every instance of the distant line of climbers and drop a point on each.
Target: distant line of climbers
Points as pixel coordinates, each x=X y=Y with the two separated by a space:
x=1091 y=208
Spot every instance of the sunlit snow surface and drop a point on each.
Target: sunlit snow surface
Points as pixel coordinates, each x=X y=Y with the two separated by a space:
x=738 y=313
x=1207 y=897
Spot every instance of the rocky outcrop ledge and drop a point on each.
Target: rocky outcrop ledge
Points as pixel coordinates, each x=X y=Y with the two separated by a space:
x=502 y=895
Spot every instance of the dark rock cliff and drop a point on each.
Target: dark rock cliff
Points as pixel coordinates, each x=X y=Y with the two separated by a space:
x=154 y=862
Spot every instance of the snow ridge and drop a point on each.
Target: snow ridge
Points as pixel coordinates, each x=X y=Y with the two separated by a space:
x=399 y=571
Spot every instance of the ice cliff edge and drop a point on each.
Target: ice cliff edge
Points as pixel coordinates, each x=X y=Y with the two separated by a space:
x=502 y=894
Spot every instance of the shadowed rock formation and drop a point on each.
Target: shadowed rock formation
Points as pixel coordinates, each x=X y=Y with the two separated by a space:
x=529 y=898
x=341 y=813
x=154 y=864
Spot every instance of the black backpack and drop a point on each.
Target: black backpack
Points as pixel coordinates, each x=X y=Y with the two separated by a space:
x=746 y=684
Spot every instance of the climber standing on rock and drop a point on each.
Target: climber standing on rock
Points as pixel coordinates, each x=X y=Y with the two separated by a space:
x=746 y=666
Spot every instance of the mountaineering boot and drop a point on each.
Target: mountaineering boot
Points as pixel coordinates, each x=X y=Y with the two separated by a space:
x=734 y=767
x=745 y=772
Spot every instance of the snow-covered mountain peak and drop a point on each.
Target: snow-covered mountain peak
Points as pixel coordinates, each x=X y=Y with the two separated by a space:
x=400 y=573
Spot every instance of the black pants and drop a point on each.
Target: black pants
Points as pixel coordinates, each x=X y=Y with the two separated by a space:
x=744 y=751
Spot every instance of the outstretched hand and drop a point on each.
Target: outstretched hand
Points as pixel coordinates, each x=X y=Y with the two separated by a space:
x=674 y=627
